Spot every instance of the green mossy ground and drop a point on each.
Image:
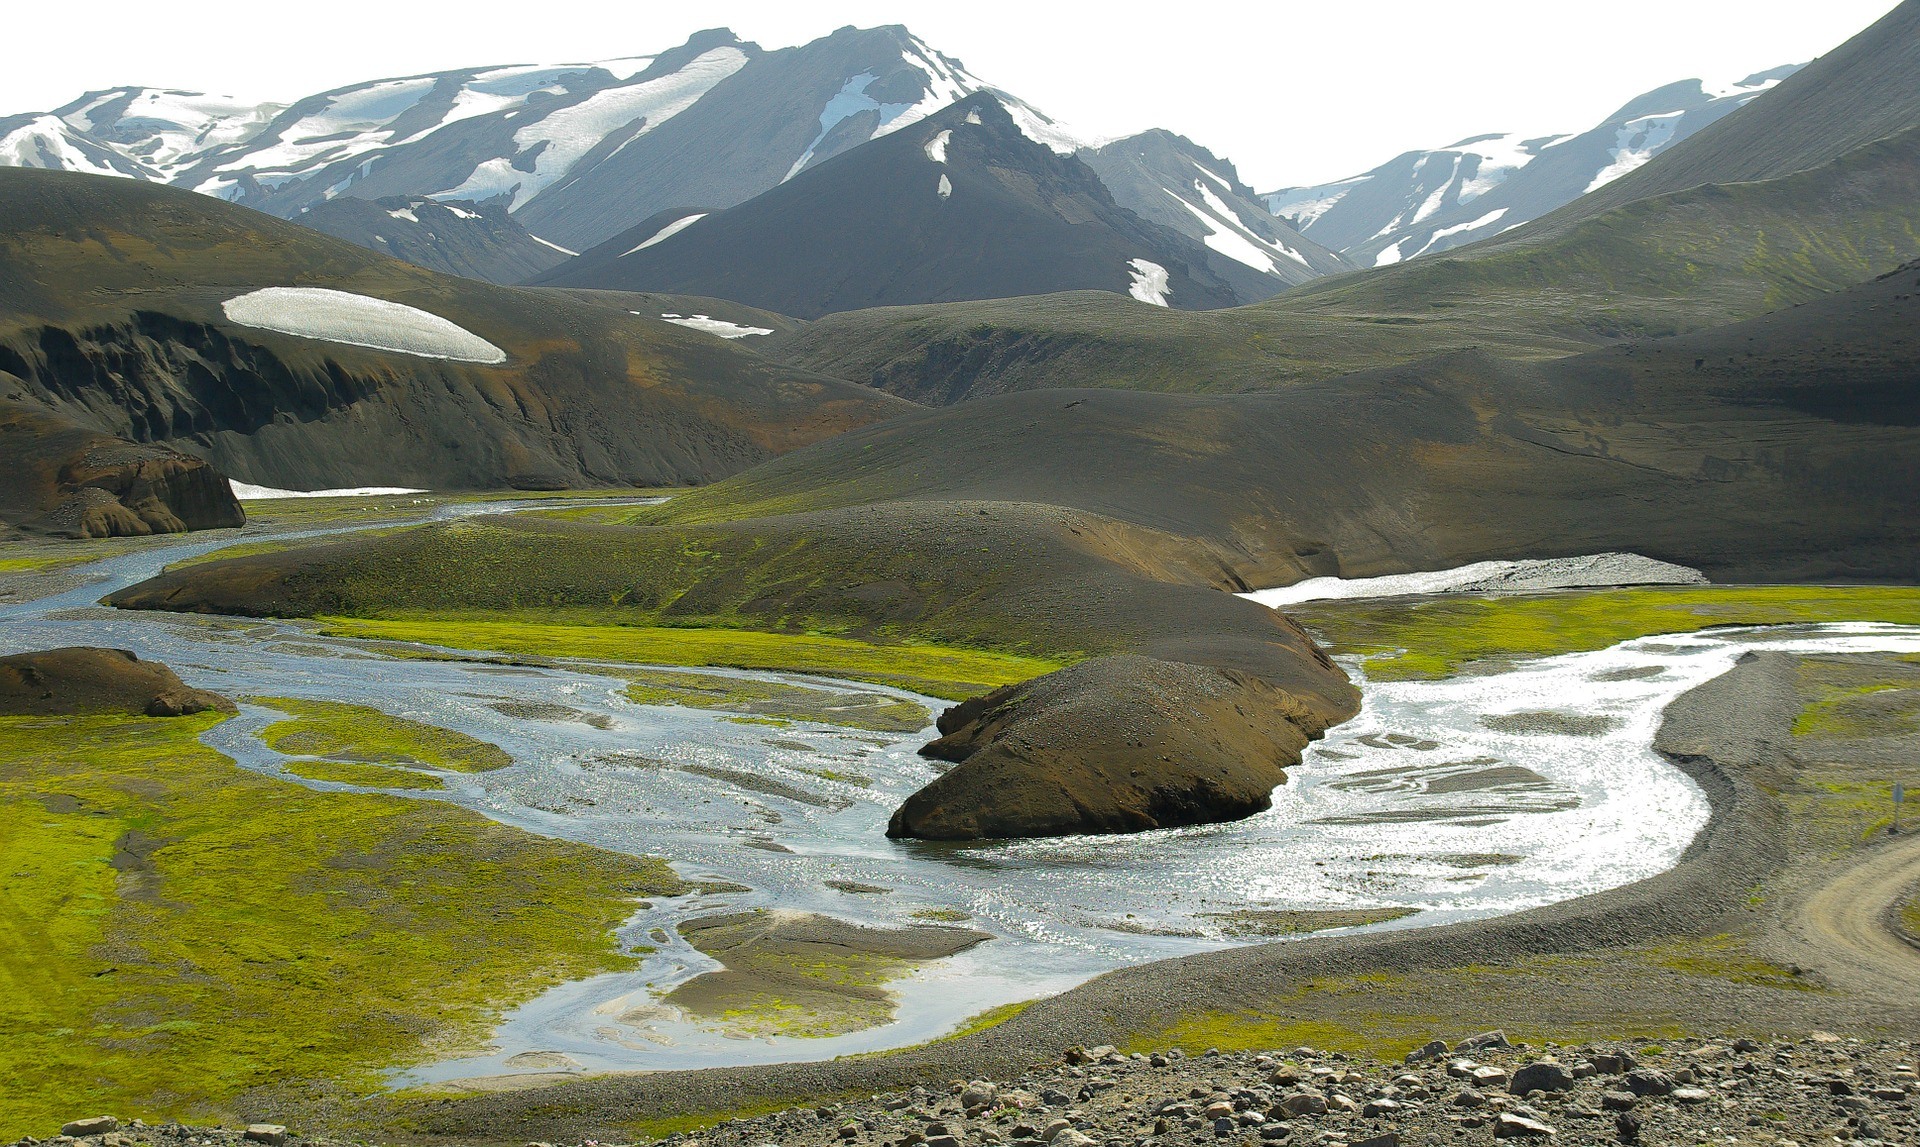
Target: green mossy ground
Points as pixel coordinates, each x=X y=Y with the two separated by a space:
x=1434 y=638
x=934 y=670
x=337 y=731
x=364 y=775
x=794 y=975
x=182 y=938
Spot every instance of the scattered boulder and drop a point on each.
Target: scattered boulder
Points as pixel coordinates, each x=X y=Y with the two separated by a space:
x=1646 y=1082
x=82 y=680
x=1483 y=1041
x=94 y=1125
x=1512 y=1126
x=272 y=1134
x=1544 y=1075
x=1433 y=1049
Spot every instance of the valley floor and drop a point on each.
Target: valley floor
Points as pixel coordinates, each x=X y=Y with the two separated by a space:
x=1778 y=922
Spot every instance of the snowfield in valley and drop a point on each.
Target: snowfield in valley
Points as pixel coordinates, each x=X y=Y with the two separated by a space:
x=358 y=320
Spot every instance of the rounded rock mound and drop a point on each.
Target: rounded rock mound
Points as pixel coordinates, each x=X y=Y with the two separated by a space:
x=83 y=680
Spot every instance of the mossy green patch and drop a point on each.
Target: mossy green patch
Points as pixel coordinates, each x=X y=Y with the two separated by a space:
x=777 y=699
x=1877 y=709
x=182 y=938
x=364 y=775
x=811 y=976
x=342 y=732
x=1430 y=639
x=935 y=670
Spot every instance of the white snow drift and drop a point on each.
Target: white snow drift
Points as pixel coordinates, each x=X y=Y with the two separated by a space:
x=1149 y=282
x=1591 y=571
x=713 y=326
x=358 y=320
x=247 y=492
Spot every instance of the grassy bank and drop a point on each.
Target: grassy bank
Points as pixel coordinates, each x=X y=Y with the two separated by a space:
x=359 y=733
x=183 y=938
x=1435 y=638
x=935 y=670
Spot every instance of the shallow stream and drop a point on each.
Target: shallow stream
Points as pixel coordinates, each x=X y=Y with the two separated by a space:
x=1461 y=798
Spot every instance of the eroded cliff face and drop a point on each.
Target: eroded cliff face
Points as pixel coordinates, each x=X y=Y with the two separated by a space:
x=67 y=480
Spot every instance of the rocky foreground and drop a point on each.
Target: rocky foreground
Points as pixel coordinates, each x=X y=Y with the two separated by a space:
x=1820 y=1090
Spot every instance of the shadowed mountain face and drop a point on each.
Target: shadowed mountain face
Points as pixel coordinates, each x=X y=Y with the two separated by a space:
x=963 y=205
x=113 y=316
x=1168 y=179
x=472 y=240
x=1785 y=447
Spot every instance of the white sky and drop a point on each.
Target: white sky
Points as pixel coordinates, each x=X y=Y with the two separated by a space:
x=1293 y=92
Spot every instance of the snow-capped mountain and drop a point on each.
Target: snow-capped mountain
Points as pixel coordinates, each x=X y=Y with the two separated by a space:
x=1427 y=201
x=1169 y=179
x=963 y=205
x=577 y=152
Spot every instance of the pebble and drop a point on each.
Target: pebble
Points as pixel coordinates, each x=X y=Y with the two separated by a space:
x=1783 y=1094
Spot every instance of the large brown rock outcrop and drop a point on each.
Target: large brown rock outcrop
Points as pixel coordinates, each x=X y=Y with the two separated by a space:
x=1115 y=744
x=74 y=482
x=82 y=680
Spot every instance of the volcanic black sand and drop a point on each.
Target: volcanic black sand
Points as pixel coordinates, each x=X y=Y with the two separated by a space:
x=1718 y=944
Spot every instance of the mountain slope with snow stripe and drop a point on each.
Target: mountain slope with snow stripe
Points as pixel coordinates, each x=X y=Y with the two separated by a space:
x=964 y=205
x=1424 y=202
x=1168 y=179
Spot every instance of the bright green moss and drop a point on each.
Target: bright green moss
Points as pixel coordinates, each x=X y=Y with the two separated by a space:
x=936 y=670
x=345 y=732
x=178 y=934
x=1425 y=640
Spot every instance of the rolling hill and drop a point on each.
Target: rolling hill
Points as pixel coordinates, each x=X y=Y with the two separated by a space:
x=295 y=360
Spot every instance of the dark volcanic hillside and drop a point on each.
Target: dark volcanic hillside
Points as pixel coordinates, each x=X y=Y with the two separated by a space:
x=960 y=206
x=1784 y=447
x=472 y=240
x=112 y=314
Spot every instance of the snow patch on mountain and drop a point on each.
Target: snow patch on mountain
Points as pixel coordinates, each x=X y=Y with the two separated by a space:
x=347 y=124
x=1487 y=220
x=664 y=234
x=359 y=320
x=1638 y=141
x=554 y=143
x=556 y=246
x=45 y=141
x=945 y=188
x=712 y=326
x=1149 y=282
x=165 y=131
x=937 y=146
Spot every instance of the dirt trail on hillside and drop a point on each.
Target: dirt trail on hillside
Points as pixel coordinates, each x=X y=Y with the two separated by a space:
x=1847 y=921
